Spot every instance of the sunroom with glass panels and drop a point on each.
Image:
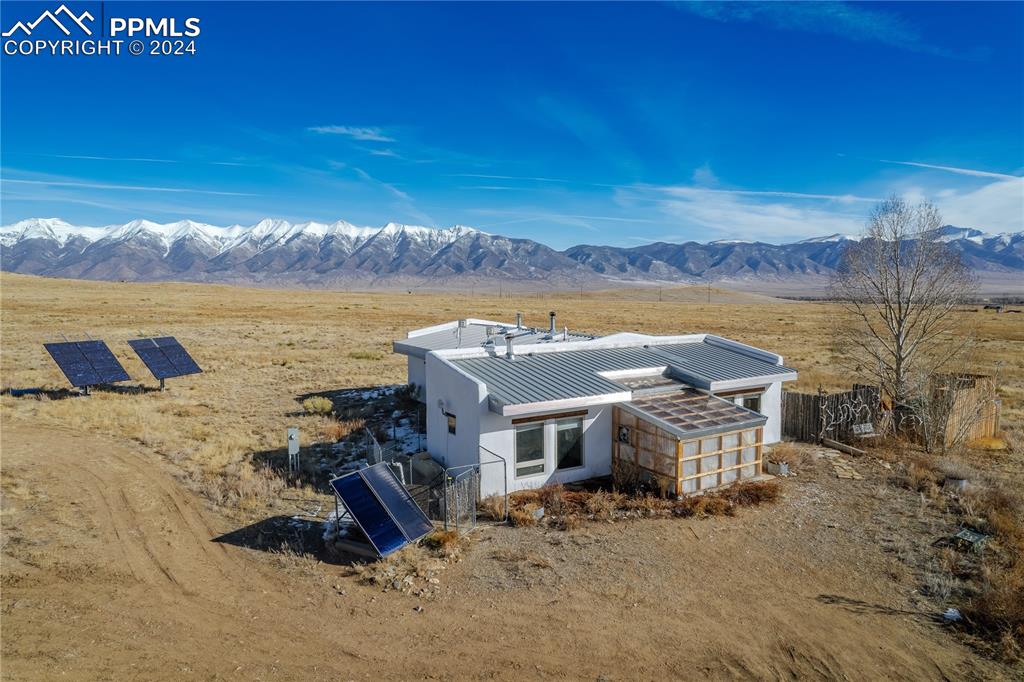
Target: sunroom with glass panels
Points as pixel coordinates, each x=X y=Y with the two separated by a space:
x=686 y=441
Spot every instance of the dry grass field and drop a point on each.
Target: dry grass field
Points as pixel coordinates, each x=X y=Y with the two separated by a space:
x=182 y=463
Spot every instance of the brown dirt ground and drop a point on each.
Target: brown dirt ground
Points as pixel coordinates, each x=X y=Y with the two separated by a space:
x=110 y=572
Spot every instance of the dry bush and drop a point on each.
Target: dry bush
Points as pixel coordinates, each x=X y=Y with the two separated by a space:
x=442 y=540
x=998 y=608
x=788 y=453
x=333 y=430
x=751 y=493
x=524 y=515
x=492 y=507
x=318 y=405
x=569 y=522
x=552 y=498
x=601 y=505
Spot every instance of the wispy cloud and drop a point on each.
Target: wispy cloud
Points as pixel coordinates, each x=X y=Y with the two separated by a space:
x=952 y=169
x=859 y=23
x=363 y=175
x=127 y=188
x=130 y=159
x=691 y=191
x=364 y=134
x=504 y=177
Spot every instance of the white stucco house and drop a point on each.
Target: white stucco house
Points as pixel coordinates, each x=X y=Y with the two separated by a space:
x=690 y=412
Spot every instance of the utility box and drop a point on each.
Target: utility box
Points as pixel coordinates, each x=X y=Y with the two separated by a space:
x=293 y=449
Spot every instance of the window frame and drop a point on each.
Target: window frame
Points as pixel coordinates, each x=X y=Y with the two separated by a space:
x=542 y=426
x=581 y=421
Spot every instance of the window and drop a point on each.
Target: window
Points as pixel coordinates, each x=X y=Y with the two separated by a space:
x=529 y=449
x=752 y=402
x=451 y=422
x=569 y=443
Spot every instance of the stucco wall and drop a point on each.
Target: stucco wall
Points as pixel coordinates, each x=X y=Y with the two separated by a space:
x=417 y=374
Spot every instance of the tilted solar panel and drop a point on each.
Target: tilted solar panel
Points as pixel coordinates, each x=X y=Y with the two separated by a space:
x=165 y=357
x=73 y=364
x=103 y=361
x=154 y=358
x=410 y=518
x=178 y=356
x=368 y=512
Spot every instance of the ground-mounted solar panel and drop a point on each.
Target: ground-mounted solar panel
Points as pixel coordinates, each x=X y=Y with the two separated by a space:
x=73 y=364
x=178 y=356
x=103 y=361
x=369 y=514
x=410 y=518
x=86 y=363
x=382 y=508
x=165 y=357
x=153 y=358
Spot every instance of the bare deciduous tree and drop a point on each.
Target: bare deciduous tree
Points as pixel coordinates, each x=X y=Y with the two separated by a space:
x=898 y=289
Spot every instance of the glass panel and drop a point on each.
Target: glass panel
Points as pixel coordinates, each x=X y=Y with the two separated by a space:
x=569 y=444
x=752 y=402
x=451 y=424
x=730 y=476
x=708 y=481
x=749 y=437
x=749 y=472
x=749 y=455
x=709 y=463
x=690 y=486
x=730 y=440
x=690 y=449
x=709 y=445
x=529 y=449
x=690 y=468
x=729 y=459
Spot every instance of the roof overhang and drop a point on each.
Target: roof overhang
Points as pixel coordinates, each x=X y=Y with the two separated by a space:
x=514 y=410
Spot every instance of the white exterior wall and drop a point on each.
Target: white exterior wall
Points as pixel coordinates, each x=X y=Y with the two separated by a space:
x=771 y=407
x=418 y=374
x=497 y=434
x=462 y=396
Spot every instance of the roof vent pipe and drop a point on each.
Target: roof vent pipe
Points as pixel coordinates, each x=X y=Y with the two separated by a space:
x=551 y=330
x=509 y=352
x=519 y=320
x=565 y=333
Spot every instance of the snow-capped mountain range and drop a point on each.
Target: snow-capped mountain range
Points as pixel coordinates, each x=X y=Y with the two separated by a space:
x=342 y=254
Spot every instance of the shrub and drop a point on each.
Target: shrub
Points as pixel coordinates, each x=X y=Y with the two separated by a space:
x=788 y=453
x=317 y=405
x=492 y=507
x=751 y=493
x=365 y=355
x=523 y=516
x=334 y=430
x=441 y=539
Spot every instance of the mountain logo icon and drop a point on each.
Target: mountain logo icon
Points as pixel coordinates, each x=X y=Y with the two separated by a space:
x=69 y=17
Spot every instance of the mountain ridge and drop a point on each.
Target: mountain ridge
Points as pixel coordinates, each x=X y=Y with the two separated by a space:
x=318 y=254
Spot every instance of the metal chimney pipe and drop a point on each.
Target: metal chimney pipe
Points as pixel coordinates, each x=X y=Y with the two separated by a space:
x=551 y=330
x=519 y=320
x=509 y=352
x=565 y=333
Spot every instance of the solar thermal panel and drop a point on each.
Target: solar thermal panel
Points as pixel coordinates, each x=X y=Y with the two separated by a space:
x=390 y=491
x=369 y=514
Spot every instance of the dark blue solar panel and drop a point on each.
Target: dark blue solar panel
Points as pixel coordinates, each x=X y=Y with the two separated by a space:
x=411 y=519
x=177 y=355
x=154 y=358
x=103 y=361
x=369 y=513
x=73 y=364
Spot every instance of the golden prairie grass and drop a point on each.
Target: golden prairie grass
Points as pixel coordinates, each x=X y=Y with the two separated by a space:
x=261 y=349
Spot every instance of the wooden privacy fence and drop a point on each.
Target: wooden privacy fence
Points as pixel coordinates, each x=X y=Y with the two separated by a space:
x=810 y=417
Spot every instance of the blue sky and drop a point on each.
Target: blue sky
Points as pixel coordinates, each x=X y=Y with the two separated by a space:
x=567 y=123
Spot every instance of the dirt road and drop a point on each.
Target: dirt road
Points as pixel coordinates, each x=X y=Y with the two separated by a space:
x=110 y=572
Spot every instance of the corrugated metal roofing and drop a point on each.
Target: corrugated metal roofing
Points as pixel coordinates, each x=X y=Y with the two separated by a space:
x=475 y=336
x=541 y=377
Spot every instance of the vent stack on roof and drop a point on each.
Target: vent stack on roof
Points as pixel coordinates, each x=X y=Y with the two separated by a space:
x=519 y=320
x=551 y=330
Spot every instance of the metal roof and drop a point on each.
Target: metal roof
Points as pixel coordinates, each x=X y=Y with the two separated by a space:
x=474 y=335
x=576 y=373
x=689 y=413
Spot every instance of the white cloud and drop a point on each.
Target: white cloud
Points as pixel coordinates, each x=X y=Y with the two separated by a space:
x=952 y=169
x=704 y=176
x=364 y=134
x=130 y=188
x=995 y=207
